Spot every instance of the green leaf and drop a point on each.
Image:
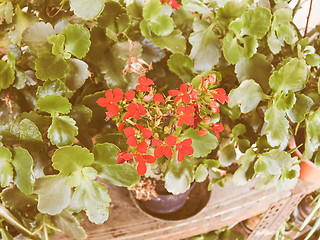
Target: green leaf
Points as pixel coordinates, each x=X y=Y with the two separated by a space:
x=62 y=131
x=36 y=35
x=250 y=46
x=317 y=159
x=291 y=76
x=247 y=96
x=23 y=165
x=69 y=225
x=257 y=68
x=274 y=43
x=242 y=174
x=202 y=145
x=15 y=200
x=6 y=169
x=286 y=101
x=179 y=175
x=301 y=107
x=6 y=75
x=238 y=130
x=29 y=131
x=56 y=87
x=277 y=130
x=231 y=49
x=151 y=10
x=145 y=29
x=58 y=43
x=276 y=161
x=195 y=6
x=182 y=65
x=78 y=73
x=53 y=194
x=49 y=66
x=162 y=25
x=205 y=49
x=93 y=198
x=69 y=159
x=77 y=40
x=227 y=155
x=87 y=9
x=22 y=20
x=54 y=104
x=231 y=10
x=256 y=22
x=123 y=175
x=201 y=173
x=174 y=42
x=312 y=131
x=313 y=59
x=81 y=114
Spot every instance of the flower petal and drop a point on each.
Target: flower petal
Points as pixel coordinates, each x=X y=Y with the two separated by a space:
x=142 y=147
x=132 y=141
x=129 y=131
x=158 y=152
x=149 y=158
x=141 y=168
x=102 y=102
x=129 y=95
x=181 y=156
x=171 y=140
x=156 y=142
x=168 y=151
x=158 y=97
x=174 y=93
x=117 y=95
x=120 y=126
x=109 y=95
x=146 y=133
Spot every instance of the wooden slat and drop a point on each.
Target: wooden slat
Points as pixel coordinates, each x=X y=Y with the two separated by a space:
x=226 y=206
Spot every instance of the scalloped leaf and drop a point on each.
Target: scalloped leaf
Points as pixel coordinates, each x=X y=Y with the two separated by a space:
x=94 y=199
x=54 y=104
x=6 y=75
x=57 y=42
x=257 y=22
x=277 y=130
x=291 y=76
x=53 y=194
x=301 y=107
x=50 y=66
x=77 y=40
x=29 y=131
x=227 y=155
x=36 y=35
x=201 y=173
x=182 y=65
x=62 y=131
x=231 y=49
x=70 y=159
x=55 y=87
x=23 y=165
x=248 y=95
x=152 y=9
x=6 y=169
x=242 y=174
x=257 y=68
x=87 y=9
x=205 y=49
x=202 y=145
x=78 y=73
x=179 y=175
x=174 y=42
x=195 y=6
x=162 y=25
x=123 y=175
x=81 y=114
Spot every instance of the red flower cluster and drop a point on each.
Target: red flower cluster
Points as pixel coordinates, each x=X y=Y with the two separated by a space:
x=172 y=3
x=149 y=120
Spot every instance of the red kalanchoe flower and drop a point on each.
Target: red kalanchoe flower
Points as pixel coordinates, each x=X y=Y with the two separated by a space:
x=146 y=133
x=184 y=148
x=120 y=126
x=164 y=148
x=181 y=95
x=144 y=84
x=124 y=156
x=214 y=106
x=135 y=110
x=130 y=134
x=202 y=132
x=110 y=101
x=142 y=160
x=158 y=97
x=220 y=95
x=142 y=147
x=187 y=116
x=217 y=128
x=129 y=95
x=172 y=3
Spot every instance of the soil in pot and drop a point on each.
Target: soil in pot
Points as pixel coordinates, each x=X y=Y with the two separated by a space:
x=175 y=207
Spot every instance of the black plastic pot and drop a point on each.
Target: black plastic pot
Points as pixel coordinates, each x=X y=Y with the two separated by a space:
x=176 y=207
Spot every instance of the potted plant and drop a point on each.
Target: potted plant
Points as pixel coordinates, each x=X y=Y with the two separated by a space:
x=58 y=58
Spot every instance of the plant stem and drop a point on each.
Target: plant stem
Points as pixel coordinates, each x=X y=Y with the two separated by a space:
x=308 y=17
x=4 y=213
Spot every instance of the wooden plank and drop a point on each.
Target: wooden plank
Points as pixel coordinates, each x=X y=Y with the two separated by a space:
x=227 y=205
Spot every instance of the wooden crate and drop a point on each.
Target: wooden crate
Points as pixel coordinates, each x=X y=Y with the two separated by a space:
x=226 y=206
